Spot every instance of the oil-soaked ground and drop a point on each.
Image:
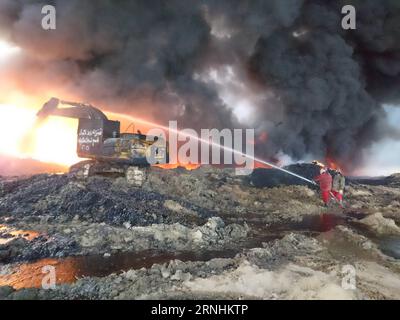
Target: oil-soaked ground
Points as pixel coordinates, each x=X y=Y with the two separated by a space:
x=200 y=234
x=28 y=275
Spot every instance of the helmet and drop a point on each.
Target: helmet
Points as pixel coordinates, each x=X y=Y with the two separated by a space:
x=323 y=170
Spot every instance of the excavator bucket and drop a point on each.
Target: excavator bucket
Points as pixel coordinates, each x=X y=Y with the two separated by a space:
x=48 y=108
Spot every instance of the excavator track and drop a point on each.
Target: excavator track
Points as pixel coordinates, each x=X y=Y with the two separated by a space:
x=134 y=175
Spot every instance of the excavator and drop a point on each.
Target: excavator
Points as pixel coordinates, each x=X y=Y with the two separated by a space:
x=107 y=149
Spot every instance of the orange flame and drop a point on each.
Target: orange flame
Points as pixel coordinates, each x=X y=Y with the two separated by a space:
x=318 y=163
x=259 y=165
x=332 y=164
x=190 y=166
x=52 y=141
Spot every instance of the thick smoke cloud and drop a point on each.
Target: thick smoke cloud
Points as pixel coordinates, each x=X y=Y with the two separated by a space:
x=324 y=87
x=326 y=108
x=137 y=56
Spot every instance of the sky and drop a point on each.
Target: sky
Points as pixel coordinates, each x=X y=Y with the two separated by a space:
x=384 y=156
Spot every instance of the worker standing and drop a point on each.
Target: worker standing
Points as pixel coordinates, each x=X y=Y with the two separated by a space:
x=338 y=185
x=325 y=183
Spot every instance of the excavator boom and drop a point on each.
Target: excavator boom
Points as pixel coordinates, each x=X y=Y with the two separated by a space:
x=77 y=111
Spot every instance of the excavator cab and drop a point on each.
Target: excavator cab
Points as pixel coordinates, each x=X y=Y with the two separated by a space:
x=92 y=134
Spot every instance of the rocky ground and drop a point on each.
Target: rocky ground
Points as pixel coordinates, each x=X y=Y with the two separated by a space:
x=205 y=233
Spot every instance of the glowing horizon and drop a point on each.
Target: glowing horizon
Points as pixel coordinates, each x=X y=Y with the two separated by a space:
x=7 y=49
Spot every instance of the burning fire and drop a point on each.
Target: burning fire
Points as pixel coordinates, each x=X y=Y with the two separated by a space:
x=318 y=163
x=26 y=234
x=260 y=165
x=53 y=140
x=332 y=164
x=189 y=166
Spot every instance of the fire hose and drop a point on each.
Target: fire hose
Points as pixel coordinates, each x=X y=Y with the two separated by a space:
x=235 y=152
x=310 y=181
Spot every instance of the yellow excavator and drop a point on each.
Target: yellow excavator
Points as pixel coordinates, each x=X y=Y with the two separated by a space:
x=109 y=151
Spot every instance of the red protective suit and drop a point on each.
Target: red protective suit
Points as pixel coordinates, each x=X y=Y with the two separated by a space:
x=325 y=184
x=337 y=195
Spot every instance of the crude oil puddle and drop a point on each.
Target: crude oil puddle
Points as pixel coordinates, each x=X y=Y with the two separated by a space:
x=389 y=245
x=314 y=225
x=70 y=269
x=311 y=225
x=324 y=222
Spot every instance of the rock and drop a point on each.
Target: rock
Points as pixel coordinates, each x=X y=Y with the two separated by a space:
x=380 y=224
x=93 y=237
x=165 y=272
x=214 y=223
x=127 y=225
x=197 y=236
x=135 y=176
x=236 y=231
x=309 y=193
x=172 y=205
x=25 y=294
x=211 y=231
x=5 y=291
x=181 y=276
x=131 y=274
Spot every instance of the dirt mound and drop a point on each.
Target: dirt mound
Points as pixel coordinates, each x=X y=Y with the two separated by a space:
x=393 y=180
x=11 y=166
x=98 y=199
x=380 y=224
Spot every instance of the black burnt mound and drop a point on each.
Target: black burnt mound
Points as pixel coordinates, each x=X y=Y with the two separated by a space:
x=270 y=178
x=389 y=181
x=96 y=200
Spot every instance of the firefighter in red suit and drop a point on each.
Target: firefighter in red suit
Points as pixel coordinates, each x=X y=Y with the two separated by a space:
x=325 y=184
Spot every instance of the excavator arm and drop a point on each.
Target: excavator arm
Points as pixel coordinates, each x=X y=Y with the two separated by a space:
x=77 y=110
